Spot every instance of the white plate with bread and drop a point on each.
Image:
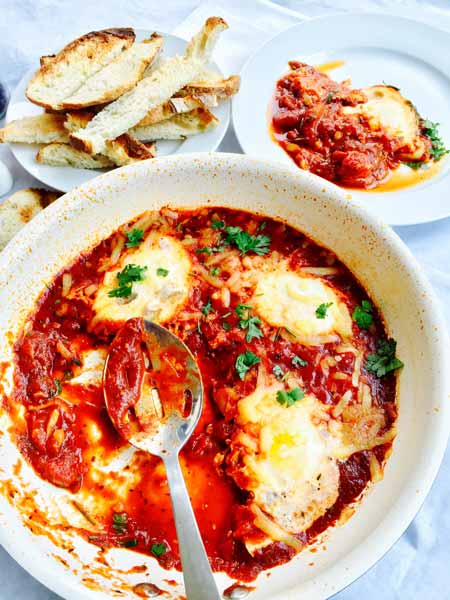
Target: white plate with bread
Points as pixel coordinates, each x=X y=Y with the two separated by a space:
x=117 y=96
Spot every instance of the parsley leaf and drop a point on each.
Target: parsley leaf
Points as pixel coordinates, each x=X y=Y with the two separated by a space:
x=125 y=279
x=251 y=324
x=329 y=97
x=203 y=251
x=415 y=165
x=120 y=522
x=162 y=272
x=362 y=315
x=158 y=549
x=259 y=244
x=58 y=388
x=384 y=360
x=299 y=362
x=226 y=326
x=129 y=543
x=244 y=362
x=215 y=271
x=430 y=129
x=291 y=397
x=277 y=371
x=207 y=308
x=134 y=237
x=217 y=224
x=321 y=310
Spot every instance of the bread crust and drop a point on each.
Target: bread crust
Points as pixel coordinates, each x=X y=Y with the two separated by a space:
x=93 y=47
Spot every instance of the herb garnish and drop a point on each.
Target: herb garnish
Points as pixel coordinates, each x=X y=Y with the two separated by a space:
x=203 y=251
x=129 y=543
x=329 y=97
x=244 y=362
x=134 y=237
x=362 y=315
x=125 y=279
x=162 y=272
x=217 y=224
x=321 y=310
x=58 y=388
x=120 y=522
x=384 y=360
x=251 y=324
x=207 y=308
x=299 y=362
x=226 y=326
x=259 y=244
x=278 y=371
x=291 y=397
x=215 y=271
x=430 y=129
x=158 y=549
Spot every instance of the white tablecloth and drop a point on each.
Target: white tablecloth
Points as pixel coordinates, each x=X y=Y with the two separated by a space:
x=417 y=567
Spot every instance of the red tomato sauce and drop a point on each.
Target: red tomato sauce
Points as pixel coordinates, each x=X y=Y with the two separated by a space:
x=54 y=437
x=308 y=122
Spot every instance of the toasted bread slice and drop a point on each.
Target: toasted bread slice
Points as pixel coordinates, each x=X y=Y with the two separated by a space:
x=175 y=73
x=222 y=88
x=65 y=73
x=46 y=60
x=20 y=208
x=40 y=129
x=178 y=127
x=64 y=155
x=126 y=149
x=118 y=77
x=177 y=106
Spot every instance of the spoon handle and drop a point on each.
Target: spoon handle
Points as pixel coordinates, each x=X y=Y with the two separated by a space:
x=198 y=578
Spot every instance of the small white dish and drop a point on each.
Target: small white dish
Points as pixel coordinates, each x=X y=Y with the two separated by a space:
x=407 y=54
x=66 y=178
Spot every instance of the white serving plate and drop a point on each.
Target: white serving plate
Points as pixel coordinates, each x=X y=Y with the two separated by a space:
x=376 y=48
x=377 y=257
x=66 y=178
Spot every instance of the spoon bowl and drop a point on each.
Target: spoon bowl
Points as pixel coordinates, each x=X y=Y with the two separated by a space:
x=168 y=434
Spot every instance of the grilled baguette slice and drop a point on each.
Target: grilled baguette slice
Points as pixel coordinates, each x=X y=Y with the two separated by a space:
x=222 y=88
x=177 y=106
x=67 y=71
x=126 y=149
x=64 y=155
x=40 y=129
x=20 y=208
x=175 y=73
x=178 y=127
x=118 y=77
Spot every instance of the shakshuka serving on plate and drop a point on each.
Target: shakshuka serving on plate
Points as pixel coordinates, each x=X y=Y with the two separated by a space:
x=299 y=384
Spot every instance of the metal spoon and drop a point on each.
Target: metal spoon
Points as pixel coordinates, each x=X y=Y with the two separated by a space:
x=166 y=443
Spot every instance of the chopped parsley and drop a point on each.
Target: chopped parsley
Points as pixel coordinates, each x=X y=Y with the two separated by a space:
x=298 y=362
x=129 y=543
x=216 y=224
x=362 y=315
x=158 y=549
x=430 y=129
x=134 y=237
x=162 y=272
x=251 y=324
x=414 y=165
x=384 y=361
x=321 y=310
x=259 y=244
x=207 y=308
x=226 y=326
x=125 y=279
x=215 y=271
x=120 y=522
x=58 y=388
x=329 y=97
x=278 y=371
x=244 y=362
x=203 y=251
x=288 y=398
